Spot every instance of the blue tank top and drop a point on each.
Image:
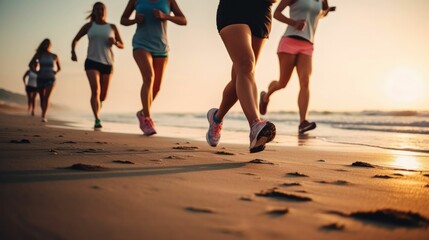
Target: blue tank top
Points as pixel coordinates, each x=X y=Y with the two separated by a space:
x=46 y=66
x=151 y=34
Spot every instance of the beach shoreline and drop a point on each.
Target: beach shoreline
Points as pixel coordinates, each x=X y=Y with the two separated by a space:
x=131 y=186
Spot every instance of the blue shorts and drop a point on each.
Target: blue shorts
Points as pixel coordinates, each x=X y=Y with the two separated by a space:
x=45 y=82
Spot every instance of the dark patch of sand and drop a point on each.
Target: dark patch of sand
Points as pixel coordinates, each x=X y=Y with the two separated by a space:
x=69 y=142
x=246 y=199
x=321 y=160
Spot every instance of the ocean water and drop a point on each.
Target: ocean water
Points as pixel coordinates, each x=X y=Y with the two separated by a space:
x=401 y=130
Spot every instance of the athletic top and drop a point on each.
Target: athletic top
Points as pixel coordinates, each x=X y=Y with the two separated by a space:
x=151 y=33
x=308 y=10
x=31 y=79
x=46 y=63
x=98 y=50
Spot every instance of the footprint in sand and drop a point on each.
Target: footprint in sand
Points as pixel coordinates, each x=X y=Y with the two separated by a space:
x=224 y=153
x=382 y=176
x=25 y=141
x=199 y=210
x=279 y=195
x=185 y=148
x=333 y=227
x=123 y=162
x=338 y=182
x=290 y=184
x=277 y=212
x=388 y=218
x=362 y=164
x=260 y=161
x=87 y=167
x=296 y=174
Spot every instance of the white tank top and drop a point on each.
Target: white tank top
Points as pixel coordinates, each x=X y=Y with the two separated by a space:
x=98 y=50
x=32 y=79
x=308 y=10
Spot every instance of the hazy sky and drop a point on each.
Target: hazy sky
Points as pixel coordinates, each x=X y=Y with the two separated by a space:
x=369 y=55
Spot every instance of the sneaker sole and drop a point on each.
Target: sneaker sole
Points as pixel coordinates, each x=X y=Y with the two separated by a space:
x=311 y=127
x=266 y=135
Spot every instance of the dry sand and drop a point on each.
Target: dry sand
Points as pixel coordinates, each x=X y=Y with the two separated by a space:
x=137 y=187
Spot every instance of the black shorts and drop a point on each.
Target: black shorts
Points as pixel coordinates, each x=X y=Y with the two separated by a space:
x=255 y=13
x=102 y=68
x=30 y=89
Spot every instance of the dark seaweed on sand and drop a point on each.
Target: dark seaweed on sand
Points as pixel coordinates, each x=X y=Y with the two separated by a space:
x=362 y=164
x=274 y=193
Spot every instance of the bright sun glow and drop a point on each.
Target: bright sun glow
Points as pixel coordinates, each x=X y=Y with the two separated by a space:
x=406 y=162
x=405 y=86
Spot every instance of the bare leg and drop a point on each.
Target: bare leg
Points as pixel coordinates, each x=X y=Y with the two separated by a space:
x=159 y=65
x=238 y=42
x=229 y=97
x=94 y=83
x=287 y=64
x=303 y=67
x=45 y=94
x=104 y=86
x=32 y=96
x=144 y=61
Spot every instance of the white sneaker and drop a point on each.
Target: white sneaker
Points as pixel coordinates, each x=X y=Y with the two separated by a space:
x=261 y=133
x=213 y=134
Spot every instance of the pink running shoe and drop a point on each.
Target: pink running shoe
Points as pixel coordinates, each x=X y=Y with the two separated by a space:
x=140 y=117
x=261 y=133
x=146 y=124
x=149 y=128
x=213 y=134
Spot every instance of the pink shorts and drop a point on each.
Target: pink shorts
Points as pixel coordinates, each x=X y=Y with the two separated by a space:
x=295 y=46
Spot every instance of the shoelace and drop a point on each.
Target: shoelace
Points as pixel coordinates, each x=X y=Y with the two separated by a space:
x=215 y=129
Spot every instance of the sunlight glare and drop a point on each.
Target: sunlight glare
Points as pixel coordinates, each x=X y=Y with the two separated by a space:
x=406 y=162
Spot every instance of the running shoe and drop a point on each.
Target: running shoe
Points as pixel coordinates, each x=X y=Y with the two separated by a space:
x=213 y=134
x=262 y=104
x=306 y=126
x=261 y=133
x=140 y=117
x=97 y=124
x=149 y=127
x=44 y=119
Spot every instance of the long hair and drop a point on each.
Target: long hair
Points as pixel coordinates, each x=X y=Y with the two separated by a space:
x=43 y=47
x=91 y=16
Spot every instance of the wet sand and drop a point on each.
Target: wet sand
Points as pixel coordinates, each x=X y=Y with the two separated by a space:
x=58 y=183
